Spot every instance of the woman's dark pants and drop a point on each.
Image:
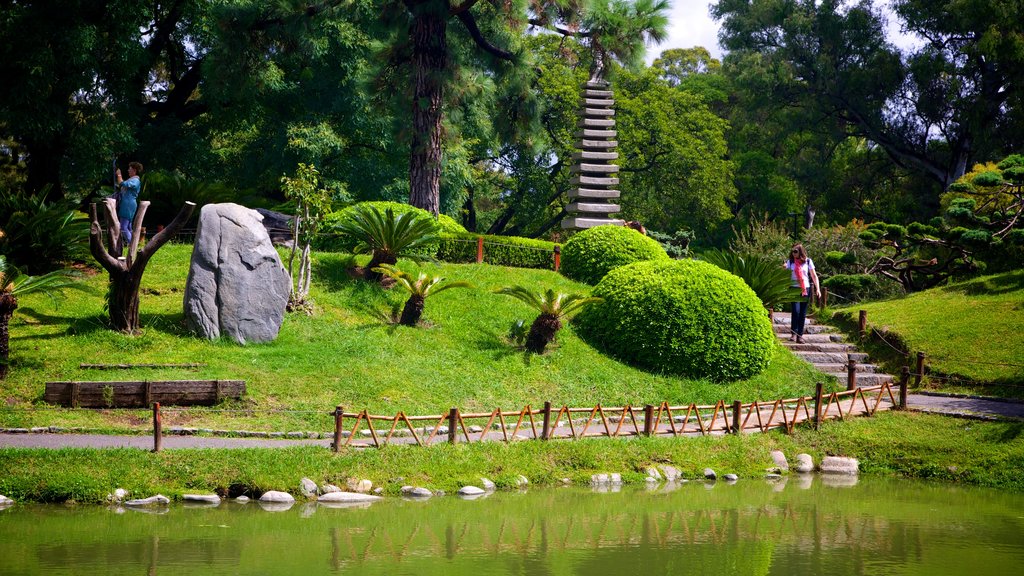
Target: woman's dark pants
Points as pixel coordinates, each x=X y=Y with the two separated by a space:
x=798 y=317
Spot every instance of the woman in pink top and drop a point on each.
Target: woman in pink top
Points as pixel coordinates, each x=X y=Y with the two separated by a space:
x=803 y=277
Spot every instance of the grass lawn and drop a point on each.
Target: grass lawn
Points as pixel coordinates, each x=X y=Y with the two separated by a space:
x=346 y=353
x=971 y=330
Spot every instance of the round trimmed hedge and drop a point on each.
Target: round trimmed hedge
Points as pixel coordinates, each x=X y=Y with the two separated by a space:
x=589 y=255
x=682 y=317
x=333 y=242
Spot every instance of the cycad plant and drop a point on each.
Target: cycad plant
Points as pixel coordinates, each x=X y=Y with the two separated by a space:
x=553 y=306
x=765 y=276
x=419 y=290
x=13 y=284
x=387 y=236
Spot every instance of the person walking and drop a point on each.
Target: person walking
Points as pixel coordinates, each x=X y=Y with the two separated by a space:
x=128 y=199
x=802 y=276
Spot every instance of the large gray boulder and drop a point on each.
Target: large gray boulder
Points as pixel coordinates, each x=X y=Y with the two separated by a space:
x=237 y=287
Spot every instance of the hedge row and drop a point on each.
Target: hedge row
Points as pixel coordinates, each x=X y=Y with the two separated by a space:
x=498 y=250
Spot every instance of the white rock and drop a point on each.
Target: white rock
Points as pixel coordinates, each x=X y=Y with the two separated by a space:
x=158 y=500
x=671 y=473
x=243 y=499
x=599 y=480
x=615 y=478
x=5 y=501
x=471 y=491
x=204 y=498
x=522 y=481
x=652 y=472
x=804 y=464
x=840 y=465
x=348 y=497
x=780 y=460
x=361 y=486
x=307 y=487
x=117 y=496
x=416 y=492
x=328 y=488
x=475 y=429
x=710 y=474
x=730 y=477
x=276 y=496
x=651 y=480
x=488 y=485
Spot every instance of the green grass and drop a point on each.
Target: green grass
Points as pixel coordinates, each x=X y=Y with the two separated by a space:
x=890 y=444
x=972 y=330
x=345 y=353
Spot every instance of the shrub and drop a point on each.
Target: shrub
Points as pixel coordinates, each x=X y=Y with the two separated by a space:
x=498 y=250
x=39 y=235
x=681 y=317
x=333 y=242
x=764 y=276
x=388 y=236
x=592 y=253
x=853 y=287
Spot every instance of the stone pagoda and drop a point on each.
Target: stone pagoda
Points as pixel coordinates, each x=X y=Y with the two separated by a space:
x=593 y=194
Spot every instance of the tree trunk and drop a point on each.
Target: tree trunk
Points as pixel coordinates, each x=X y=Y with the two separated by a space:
x=8 y=304
x=123 y=299
x=376 y=260
x=429 y=63
x=412 y=311
x=542 y=332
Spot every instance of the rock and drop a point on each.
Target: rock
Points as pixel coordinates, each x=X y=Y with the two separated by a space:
x=278 y=226
x=237 y=287
x=566 y=481
x=671 y=473
x=348 y=497
x=158 y=500
x=242 y=499
x=652 y=472
x=5 y=501
x=378 y=490
x=615 y=479
x=117 y=496
x=804 y=464
x=772 y=476
x=328 y=488
x=651 y=480
x=839 y=480
x=276 y=497
x=599 y=480
x=710 y=474
x=203 y=498
x=471 y=491
x=276 y=506
x=730 y=477
x=840 y=465
x=522 y=481
x=488 y=485
x=780 y=461
x=307 y=487
x=416 y=492
x=361 y=486
x=475 y=429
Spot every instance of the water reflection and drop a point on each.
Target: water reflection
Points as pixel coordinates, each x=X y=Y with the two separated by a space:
x=784 y=526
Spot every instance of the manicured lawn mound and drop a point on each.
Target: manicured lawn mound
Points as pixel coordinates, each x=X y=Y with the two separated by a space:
x=589 y=255
x=973 y=329
x=681 y=317
x=345 y=353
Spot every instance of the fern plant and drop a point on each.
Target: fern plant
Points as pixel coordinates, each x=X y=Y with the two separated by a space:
x=766 y=277
x=387 y=236
x=13 y=284
x=553 y=306
x=419 y=290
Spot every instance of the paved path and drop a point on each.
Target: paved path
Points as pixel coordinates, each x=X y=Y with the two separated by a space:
x=966 y=406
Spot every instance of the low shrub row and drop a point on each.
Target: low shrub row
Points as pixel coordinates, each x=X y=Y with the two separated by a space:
x=498 y=250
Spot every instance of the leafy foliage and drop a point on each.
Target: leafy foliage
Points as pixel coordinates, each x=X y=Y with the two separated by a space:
x=167 y=192
x=553 y=306
x=38 y=234
x=331 y=239
x=680 y=317
x=770 y=281
x=312 y=203
x=419 y=289
x=592 y=253
x=387 y=236
x=498 y=250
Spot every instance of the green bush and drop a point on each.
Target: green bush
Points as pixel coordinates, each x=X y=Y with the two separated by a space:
x=498 y=250
x=681 y=317
x=592 y=253
x=38 y=235
x=855 y=287
x=333 y=242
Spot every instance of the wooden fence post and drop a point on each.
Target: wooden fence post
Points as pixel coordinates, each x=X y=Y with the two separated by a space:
x=904 y=377
x=339 y=413
x=479 y=249
x=737 y=406
x=158 y=428
x=818 y=392
x=453 y=420
x=75 y=389
x=824 y=296
x=648 y=420
x=919 y=374
x=862 y=324
x=545 y=432
x=558 y=257
x=851 y=373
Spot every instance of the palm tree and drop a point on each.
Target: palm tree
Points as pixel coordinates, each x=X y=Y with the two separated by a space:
x=765 y=276
x=387 y=236
x=552 y=307
x=419 y=290
x=13 y=284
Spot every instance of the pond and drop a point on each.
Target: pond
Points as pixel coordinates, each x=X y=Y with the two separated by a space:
x=753 y=527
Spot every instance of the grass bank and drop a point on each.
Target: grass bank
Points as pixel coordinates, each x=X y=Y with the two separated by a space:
x=345 y=353
x=972 y=333
x=891 y=444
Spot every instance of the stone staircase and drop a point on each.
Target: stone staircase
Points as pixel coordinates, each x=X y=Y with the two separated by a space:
x=828 y=351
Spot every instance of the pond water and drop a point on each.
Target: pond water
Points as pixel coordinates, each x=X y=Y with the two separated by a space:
x=753 y=527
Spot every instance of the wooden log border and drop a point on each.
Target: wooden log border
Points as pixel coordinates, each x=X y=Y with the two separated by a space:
x=142 y=394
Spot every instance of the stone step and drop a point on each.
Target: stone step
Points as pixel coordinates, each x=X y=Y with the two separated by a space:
x=594 y=168
x=598 y=102
x=592 y=208
x=819 y=347
x=815 y=338
x=864 y=379
x=830 y=357
x=840 y=368
x=595 y=123
x=592 y=193
x=588 y=155
x=596 y=144
x=585 y=134
x=582 y=223
x=601 y=112
x=784 y=329
x=594 y=93
x=593 y=181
